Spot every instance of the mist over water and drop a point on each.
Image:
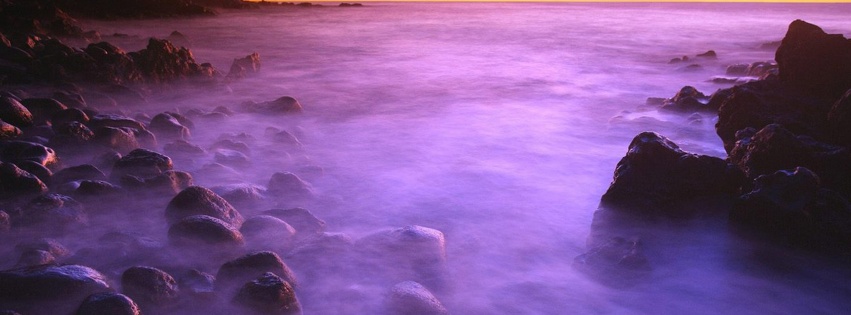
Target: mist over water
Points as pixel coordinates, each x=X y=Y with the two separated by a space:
x=499 y=125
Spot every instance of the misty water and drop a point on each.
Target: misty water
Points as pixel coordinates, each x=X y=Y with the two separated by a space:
x=499 y=125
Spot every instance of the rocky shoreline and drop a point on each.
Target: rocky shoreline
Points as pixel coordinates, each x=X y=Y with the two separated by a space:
x=784 y=182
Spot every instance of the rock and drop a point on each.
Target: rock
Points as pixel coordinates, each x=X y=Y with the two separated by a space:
x=100 y=196
x=15 y=182
x=115 y=121
x=9 y=131
x=40 y=171
x=184 y=149
x=321 y=254
x=231 y=157
x=655 y=174
x=618 y=262
x=21 y=151
x=43 y=109
x=813 y=62
x=141 y=163
x=409 y=297
x=282 y=137
x=839 y=119
x=242 y=67
x=232 y=145
x=72 y=100
x=108 y=304
x=283 y=105
x=241 y=194
x=161 y=62
x=48 y=245
x=305 y=223
x=268 y=294
x=119 y=139
x=740 y=69
x=5 y=222
x=288 y=186
x=790 y=206
x=197 y=283
x=268 y=232
x=15 y=113
x=708 y=55
x=35 y=257
x=150 y=287
x=49 y=289
x=204 y=231
x=165 y=185
x=51 y=213
x=69 y=115
x=197 y=200
x=234 y=273
x=165 y=125
x=76 y=173
x=687 y=99
x=411 y=252
x=74 y=137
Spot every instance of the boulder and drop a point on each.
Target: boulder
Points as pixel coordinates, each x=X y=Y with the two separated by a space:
x=688 y=99
x=52 y=214
x=75 y=173
x=108 y=303
x=305 y=223
x=656 y=174
x=69 y=115
x=15 y=113
x=5 y=222
x=409 y=297
x=813 y=62
x=268 y=294
x=43 y=109
x=288 y=186
x=280 y=106
x=49 y=289
x=234 y=273
x=119 y=139
x=15 y=182
x=9 y=131
x=839 y=119
x=204 y=231
x=197 y=283
x=791 y=207
x=48 y=245
x=197 y=200
x=241 y=194
x=75 y=137
x=141 y=163
x=268 y=232
x=245 y=66
x=21 y=151
x=167 y=126
x=150 y=287
x=411 y=252
x=161 y=62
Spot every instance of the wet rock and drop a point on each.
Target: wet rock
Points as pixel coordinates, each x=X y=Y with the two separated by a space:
x=49 y=289
x=618 y=262
x=98 y=195
x=183 y=149
x=141 y=163
x=43 y=109
x=150 y=287
x=688 y=99
x=814 y=62
x=197 y=283
x=75 y=137
x=305 y=223
x=411 y=252
x=9 y=131
x=115 y=121
x=711 y=54
x=35 y=168
x=162 y=62
x=21 y=151
x=52 y=213
x=165 y=185
x=119 y=139
x=108 y=304
x=234 y=273
x=75 y=173
x=739 y=69
x=268 y=294
x=678 y=60
x=5 y=222
x=231 y=157
x=282 y=137
x=409 y=297
x=267 y=232
x=839 y=119
x=35 y=257
x=48 y=245
x=166 y=126
x=197 y=200
x=15 y=182
x=288 y=186
x=230 y=144
x=201 y=230
x=69 y=115
x=241 y=194
x=15 y=113
x=245 y=66
x=655 y=174
x=283 y=105
x=72 y=100
x=321 y=254
x=791 y=207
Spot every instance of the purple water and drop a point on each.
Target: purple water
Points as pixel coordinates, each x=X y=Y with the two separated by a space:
x=500 y=125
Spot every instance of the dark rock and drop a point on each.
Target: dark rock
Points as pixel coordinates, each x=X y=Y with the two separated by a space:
x=268 y=232
x=73 y=137
x=115 y=121
x=409 y=297
x=167 y=184
x=709 y=55
x=20 y=151
x=150 y=287
x=119 y=139
x=167 y=126
x=184 y=149
x=75 y=173
x=43 y=109
x=655 y=174
x=242 y=67
x=52 y=213
x=108 y=304
x=241 y=194
x=740 y=69
x=49 y=289
x=5 y=222
x=282 y=137
x=197 y=200
x=268 y=294
x=48 y=245
x=197 y=283
x=17 y=182
x=161 y=62
x=15 y=113
x=9 y=131
x=304 y=222
x=35 y=168
x=69 y=115
x=72 y=100
x=204 y=230
x=283 y=105
x=236 y=272
x=618 y=262
x=839 y=119
x=288 y=186
x=141 y=163
x=814 y=62
x=35 y=257
x=687 y=99
x=791 y=207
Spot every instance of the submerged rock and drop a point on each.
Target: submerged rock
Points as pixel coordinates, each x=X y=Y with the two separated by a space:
x=617 y=262
x=411 y=252
x=268 y=294
x=305 y=223
x=409 y=297
x=108 y=304
x=268 y=232
x=15 y=182
x=150 y=287
x=236 y=272
x=204 y=231
x=49 y=289
x=688 y=99
x=198 y=200
x=282 y=105
x=141 y=163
